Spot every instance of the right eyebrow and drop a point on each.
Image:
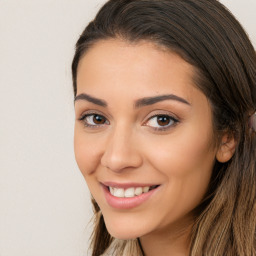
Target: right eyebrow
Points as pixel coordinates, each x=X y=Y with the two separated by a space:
x=87 y=97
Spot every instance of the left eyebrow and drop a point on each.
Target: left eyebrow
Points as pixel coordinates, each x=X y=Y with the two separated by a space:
x=152 y=100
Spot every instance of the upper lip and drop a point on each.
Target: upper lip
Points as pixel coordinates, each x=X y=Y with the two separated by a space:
x=127 y=185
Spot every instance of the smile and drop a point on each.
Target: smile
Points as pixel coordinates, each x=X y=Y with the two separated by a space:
x=129 y=192
x=126 y=196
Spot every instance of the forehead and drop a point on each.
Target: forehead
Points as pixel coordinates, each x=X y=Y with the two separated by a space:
x=134 y=67
x=131 y=53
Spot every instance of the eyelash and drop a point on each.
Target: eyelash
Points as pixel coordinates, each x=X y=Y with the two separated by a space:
x=86 y=124
x=172 y=121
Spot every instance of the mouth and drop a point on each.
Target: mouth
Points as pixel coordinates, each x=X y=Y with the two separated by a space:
x=127 y=196
x=130 y=191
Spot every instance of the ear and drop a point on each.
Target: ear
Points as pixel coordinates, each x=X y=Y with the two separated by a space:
x=226 y=149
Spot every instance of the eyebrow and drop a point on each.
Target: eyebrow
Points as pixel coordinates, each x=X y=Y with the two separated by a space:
x=91 y=99
x=152 y=100
x=138 y=103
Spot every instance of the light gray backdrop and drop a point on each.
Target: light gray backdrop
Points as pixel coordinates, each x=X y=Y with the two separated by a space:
x=44 y=202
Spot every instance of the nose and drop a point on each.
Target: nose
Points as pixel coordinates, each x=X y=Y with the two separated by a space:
x=121 y=151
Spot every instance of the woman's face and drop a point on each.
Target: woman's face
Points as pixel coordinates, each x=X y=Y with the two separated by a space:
x=143 y=137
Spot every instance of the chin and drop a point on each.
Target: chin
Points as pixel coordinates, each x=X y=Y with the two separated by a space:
x=122 y=234
x=124 y=231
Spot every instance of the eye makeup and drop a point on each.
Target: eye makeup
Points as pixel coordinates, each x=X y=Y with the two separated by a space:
x=161 y=121
x=93 y=119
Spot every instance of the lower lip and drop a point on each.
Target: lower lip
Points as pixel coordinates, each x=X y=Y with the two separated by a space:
x=127 y=202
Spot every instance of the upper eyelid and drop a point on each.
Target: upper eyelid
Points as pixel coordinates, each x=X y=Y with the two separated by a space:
x=161 y=113
x=84 y=116
x=154 y=113
x=175 y=120
x=92 y=112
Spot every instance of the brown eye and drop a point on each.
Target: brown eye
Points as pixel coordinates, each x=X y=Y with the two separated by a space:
x=163 y=120
x=94 y=120
x=97 y=119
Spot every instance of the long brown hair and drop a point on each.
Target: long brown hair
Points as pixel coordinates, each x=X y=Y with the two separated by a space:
x=205 y=34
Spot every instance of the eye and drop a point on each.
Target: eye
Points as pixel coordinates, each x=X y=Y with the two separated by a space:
x=161 y=122
x=94 y=120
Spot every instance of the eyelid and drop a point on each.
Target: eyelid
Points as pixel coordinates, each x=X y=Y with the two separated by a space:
x=172 y=117
x=88 y=113
x=155 y=113
x=91 y=112
x=161 y=113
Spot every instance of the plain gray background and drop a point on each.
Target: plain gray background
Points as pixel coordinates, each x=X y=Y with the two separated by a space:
x=44 y=202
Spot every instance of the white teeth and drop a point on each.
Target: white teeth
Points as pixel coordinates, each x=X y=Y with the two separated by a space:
x=119 y=192
x=111 y=190
x=138 y=191
x=145 y=189
x=129 y=192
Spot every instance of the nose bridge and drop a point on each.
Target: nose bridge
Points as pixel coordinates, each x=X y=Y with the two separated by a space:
x=121 y=149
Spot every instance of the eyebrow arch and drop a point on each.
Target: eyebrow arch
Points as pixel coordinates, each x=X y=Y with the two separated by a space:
x=138 y=103
x=84 y=96
x=152 y=100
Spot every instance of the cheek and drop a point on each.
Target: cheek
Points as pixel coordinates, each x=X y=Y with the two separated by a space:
x=86 y=152
x=186 y=161
x=180 y=156
x=187 y=149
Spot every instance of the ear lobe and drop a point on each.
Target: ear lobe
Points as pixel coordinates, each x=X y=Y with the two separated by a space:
x=226 y=149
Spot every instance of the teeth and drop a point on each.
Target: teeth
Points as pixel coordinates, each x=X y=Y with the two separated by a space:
x=129 y=192
x=145 y=189
x=119 y=192
x=111 y=190
x=138 y=191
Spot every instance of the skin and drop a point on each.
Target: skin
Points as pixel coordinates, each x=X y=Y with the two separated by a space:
x=127 y=147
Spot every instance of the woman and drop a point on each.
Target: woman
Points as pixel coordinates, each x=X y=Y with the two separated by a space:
x=165 y=96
